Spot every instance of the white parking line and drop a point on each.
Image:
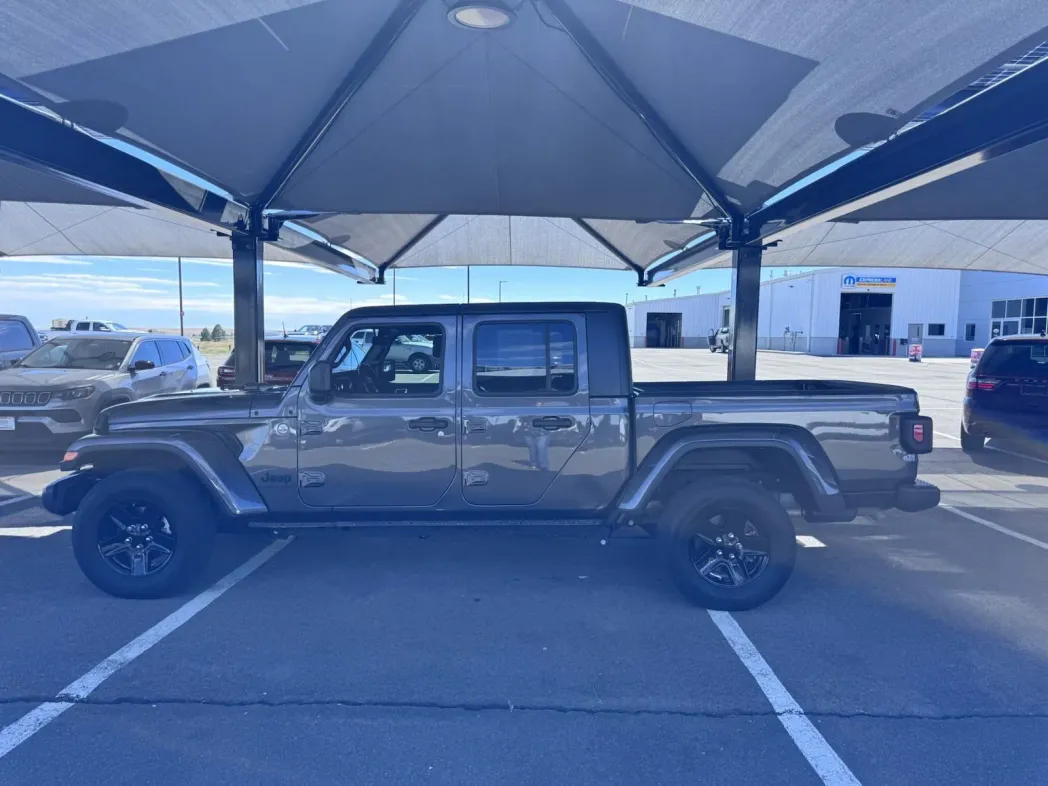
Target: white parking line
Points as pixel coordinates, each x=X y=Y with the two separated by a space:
x=1004 y=530
x=29 y=724
x=14 y=500
x=32 y=532
x=812 y=745
x=810 y=542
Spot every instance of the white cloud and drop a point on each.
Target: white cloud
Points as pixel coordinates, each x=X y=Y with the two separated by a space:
x=45 y=261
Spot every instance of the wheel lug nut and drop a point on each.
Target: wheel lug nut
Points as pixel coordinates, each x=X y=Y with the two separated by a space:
x=720 y=553
x=720 y=539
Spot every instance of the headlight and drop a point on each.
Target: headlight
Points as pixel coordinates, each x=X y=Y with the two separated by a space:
x=75 y=393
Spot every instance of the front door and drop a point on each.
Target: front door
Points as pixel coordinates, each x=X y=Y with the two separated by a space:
x=525 y=405
x=387 y=436
x=150 y=381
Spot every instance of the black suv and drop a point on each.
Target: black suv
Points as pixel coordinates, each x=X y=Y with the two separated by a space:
x=1007 y=393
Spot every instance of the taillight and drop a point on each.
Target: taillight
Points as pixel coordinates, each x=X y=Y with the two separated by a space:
x=915 y=432
x=982 y=383
x=225 y=371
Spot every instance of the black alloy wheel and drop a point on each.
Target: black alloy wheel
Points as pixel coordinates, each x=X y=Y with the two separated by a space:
x=135 y=538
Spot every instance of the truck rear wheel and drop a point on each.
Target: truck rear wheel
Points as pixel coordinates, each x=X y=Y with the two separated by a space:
x=143 y=534
x=971 y=443
x=729 y=545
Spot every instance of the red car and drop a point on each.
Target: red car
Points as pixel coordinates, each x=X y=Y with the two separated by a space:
x=284 y=357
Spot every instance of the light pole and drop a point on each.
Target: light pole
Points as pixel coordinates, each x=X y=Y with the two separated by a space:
x=467 y=283
x=500 y=289
x=181 y=313
x=394 y=286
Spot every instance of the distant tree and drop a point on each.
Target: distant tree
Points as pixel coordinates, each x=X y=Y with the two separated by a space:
x=217 y=333
x=205 y=335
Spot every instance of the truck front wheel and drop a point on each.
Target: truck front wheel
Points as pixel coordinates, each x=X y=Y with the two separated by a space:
x=143 y=534
x=728 y=545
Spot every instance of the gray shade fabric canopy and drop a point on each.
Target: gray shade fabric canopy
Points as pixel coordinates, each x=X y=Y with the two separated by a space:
x=521 y=121
x=42 y=215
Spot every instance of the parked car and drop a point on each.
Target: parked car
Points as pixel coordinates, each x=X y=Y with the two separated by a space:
x=711 y=468
x=17 y=339
x=413 y=352
x=55 y=392
x=1007 y=393
x=311 y=331
x=284 y=357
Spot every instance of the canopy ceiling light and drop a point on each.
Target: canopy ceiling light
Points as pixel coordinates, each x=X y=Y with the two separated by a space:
x=480 y=16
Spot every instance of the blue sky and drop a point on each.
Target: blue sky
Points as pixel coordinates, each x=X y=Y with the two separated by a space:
x=143 y=292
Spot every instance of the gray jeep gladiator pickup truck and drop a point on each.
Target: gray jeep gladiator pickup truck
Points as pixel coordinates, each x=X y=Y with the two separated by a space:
x=528 y=412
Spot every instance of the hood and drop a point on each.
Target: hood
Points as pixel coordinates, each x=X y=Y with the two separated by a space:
x=53 y=378
x=190 y=406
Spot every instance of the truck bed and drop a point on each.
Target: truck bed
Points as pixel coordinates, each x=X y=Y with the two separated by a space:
x=856 y=423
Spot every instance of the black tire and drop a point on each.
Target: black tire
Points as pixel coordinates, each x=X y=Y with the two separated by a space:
x=419 y=363
x=690 y=511
x=971 y=443
x=181 y=502
x=713 y=349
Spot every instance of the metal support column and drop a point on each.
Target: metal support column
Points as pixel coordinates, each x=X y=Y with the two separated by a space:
x=746 y=292
x=248 y=317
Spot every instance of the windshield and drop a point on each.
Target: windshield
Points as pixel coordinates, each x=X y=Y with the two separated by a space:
x=102 y=354
x=1015 y=359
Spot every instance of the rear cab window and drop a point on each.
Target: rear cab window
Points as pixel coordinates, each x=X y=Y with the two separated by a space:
x=285 y=355
x=525 y=359
x=14 y=335
x=1021 y=359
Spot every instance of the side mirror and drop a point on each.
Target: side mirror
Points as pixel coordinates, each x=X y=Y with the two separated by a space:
x=143 y=365
x=320 y=379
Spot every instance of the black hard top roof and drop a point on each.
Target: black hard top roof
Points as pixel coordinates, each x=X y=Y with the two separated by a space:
x=467 y=309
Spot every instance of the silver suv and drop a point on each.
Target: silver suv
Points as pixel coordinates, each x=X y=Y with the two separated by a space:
x=54 y=393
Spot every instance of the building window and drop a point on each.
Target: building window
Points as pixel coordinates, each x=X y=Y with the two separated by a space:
x=969 y=332
x=1014 y=308
x=936 y=329
x=997 y=310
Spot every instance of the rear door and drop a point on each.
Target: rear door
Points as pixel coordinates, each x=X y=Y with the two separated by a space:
x=386 y=437
x=175 y=374
x=525 y=405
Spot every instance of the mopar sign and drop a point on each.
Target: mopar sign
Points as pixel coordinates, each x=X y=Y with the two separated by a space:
x=849 y=281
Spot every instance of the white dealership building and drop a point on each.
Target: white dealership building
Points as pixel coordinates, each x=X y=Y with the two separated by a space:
x=850 y=311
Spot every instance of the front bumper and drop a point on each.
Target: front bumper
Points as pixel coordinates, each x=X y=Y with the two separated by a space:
x=916 y=497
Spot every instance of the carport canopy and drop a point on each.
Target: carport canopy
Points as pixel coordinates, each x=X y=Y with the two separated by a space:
x=645 y=135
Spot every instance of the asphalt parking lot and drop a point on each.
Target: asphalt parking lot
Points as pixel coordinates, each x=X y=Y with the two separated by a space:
x=906 y=648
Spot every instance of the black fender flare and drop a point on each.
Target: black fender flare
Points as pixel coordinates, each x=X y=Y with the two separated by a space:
x=205 y=455
x=799 y=444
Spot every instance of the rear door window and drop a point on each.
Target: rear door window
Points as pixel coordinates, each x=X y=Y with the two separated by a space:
x=1028 y=360
x=169 y=352
x=525 y=359
x=14 y=335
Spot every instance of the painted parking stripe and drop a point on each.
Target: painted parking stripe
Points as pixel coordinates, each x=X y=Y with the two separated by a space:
x=810 y=542
x=15 y=500
x=997 y=527
x=29 y=724
x=812 y=745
